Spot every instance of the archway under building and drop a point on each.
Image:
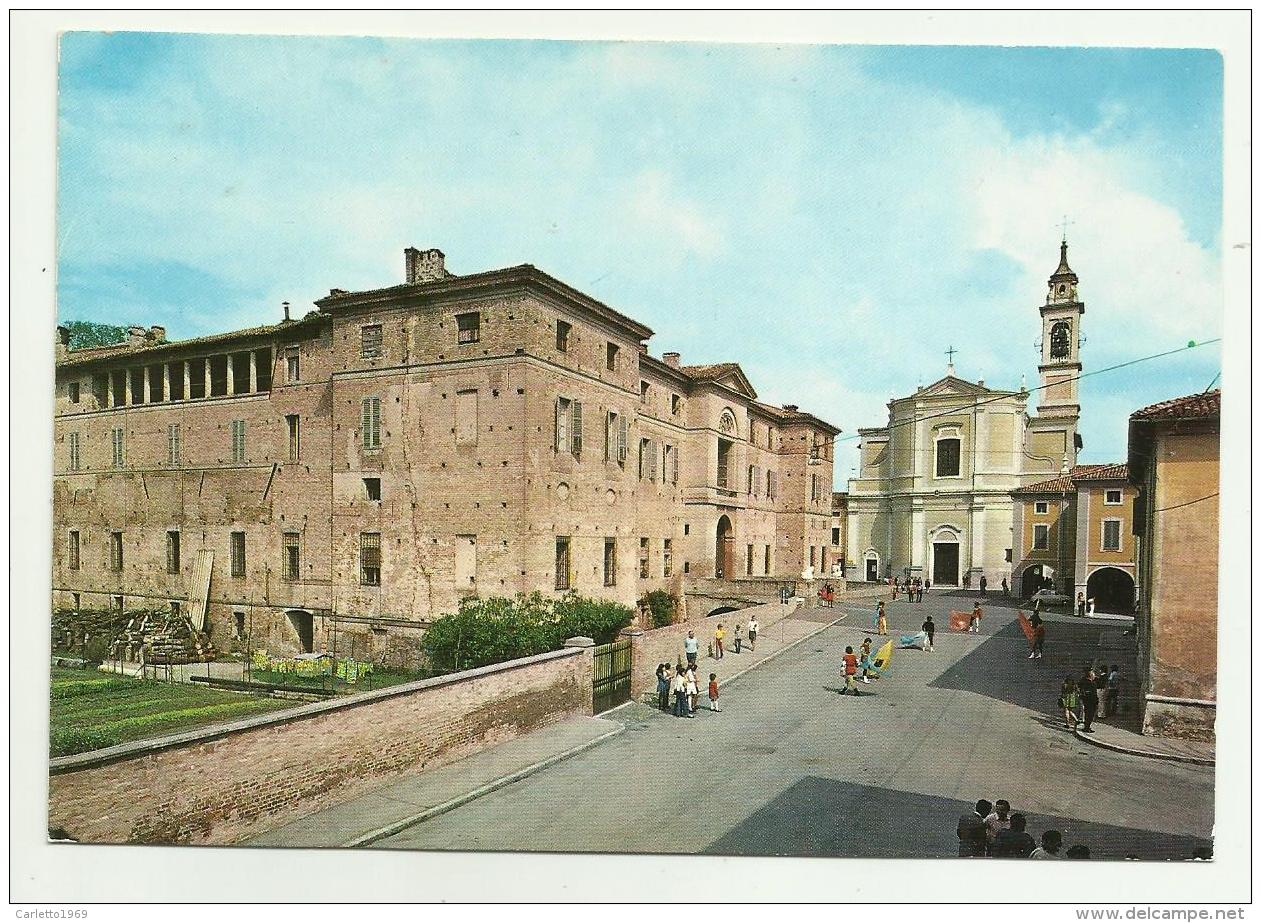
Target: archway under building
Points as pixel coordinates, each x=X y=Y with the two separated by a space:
x=724 y=546
x=722 y=610
x=303 y=623
x=1034 y=578
x=1112 y=589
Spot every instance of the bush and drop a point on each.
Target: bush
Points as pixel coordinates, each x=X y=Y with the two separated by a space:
x=662 y=606
x=492 y=630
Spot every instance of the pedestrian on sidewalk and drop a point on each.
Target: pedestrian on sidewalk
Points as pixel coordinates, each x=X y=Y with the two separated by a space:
x=1052 y=840
x=851 y=670
x=984 y=584
x=691 y=647
x=713 y=692
x=737 y=636
x=864 y=657
x=1069 y=702
x=719 y=634
x=883 y=626
x=928 y=584
x=1089 y=699
x=1005 y=589
x=1081 y=605
x=692 y=690
x=930 y=628
x=1039 y=636
x=679 y=686
x=996 y=822
x=1112 y=693
x=974 y=623
x=971 y=830
x=919 y=590
x=1014 y=842
x=752 y=632
x=663 y=687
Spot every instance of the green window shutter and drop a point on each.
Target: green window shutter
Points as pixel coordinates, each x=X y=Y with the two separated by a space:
x=576 y=435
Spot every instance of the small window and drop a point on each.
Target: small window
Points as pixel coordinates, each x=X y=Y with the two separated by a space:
x=292 y=561
x=687 y=567
x=676 y=404
x=293 y=365
x=610 y=562
x=73 y=440
x=687 y=528
x=643 y=558
x=239 y=619
x=73 y=390
x=1112 y=535
x=1041 y=537
x=748 y=561
x=73 y=551
x=238 y=442
x=616 y=432
x=643 y=392
x=372 y=342
x=667 y=557
x=1112 y=498
x=295 y=436
x=371 y=421
x=116 y=551
x=172 y=552
x=372 y=487
x=568 y=426
x=610 y=357
x=947 y=458
x=562 y=335
x=175 y=609
x=1007 y=555
x=237 y=542
x=766 y=563
x=562 y=564
x=370 y=558
x=174 y=447
x=469 y=326
x=836 y=535
x=116 y=438
x=1040 y=507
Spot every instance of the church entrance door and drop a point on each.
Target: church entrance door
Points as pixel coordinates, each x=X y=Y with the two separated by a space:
x=945 y=563
x=873 y=570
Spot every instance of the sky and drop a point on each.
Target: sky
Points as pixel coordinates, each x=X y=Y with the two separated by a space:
x=831 y=217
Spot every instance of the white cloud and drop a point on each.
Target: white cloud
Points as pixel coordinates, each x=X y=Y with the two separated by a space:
x=675 y=224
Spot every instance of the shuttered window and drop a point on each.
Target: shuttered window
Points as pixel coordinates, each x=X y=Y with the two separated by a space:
x=73 y=439
x=371 y=422
x=238 y=441
x=237 y=549
x=370 y=558
x=568 y=426
x=173 y=447
x=73 y=550
x=372 y=342
x=116 y=438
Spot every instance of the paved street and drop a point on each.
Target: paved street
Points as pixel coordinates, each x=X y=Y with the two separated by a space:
x=792 y=768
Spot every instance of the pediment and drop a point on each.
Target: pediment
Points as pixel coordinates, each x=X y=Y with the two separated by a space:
x=737 y=382
x=952 y=385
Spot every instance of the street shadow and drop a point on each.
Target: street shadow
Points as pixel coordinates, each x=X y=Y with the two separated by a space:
x=1000 y=668
x=829 y=818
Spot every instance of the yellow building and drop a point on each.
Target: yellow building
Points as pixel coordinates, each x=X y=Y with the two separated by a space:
x=1074 y=534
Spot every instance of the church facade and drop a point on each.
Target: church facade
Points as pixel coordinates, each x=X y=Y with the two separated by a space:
x=932 y=498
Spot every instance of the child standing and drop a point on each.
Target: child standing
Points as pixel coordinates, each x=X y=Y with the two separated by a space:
x=719 y=634
x=713 y=692
x=737 y=639
x=851 y=671
x=864 y=657
x=1069 y=702
x=930 y=629
x=974 y=623
x=883 y=620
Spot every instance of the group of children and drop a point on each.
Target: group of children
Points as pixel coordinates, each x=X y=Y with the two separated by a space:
x=914 y=589
x=681 y=683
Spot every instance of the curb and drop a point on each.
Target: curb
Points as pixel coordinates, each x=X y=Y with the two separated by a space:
x=398 y=826
x=1148 y=754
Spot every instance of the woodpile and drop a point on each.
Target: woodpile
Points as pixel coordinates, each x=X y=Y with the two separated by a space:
x=160 y=637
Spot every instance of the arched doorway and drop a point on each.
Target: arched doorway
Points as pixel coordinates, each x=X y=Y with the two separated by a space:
x=724 y=544
x=1112 y=589
x=1036 y=577
x=304 y=624
x=872 y=564
x=945 y=558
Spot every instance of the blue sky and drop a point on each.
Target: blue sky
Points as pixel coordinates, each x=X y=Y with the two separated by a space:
x=831 y=217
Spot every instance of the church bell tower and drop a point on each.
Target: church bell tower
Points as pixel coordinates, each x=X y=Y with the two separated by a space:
x=1060 y=365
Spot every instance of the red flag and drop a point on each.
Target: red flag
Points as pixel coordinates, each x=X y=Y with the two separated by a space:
x=1025 y=626
x=959 y=621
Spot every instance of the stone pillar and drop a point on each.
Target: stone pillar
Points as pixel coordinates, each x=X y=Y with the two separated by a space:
x=230 y=376
x=109 y=389
x=586 y=672
x=188 y=380
x=147 y=386
x=127 y=395
x=166 y=381
x=643 y=679
x=253 y=372
x=206 y=374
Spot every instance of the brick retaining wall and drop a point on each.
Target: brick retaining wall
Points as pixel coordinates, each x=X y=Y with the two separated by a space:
x=223 y=784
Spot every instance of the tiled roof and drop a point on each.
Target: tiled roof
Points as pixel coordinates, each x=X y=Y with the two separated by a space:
x=1191 y=407
x=1065 y=482
x=79 y=356
x=710 y=372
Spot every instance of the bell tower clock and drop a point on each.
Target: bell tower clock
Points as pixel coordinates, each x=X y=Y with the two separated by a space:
x=1060 y=365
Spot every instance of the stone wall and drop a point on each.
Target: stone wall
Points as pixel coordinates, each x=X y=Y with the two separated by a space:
x=221 y=785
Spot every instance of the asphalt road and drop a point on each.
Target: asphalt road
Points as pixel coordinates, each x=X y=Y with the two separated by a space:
x=790 y=767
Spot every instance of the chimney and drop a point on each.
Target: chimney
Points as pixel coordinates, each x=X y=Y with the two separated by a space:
x=671 y=359
x=643 y=349
x=285 y=305
x=135 y=336
x=424 y=265
x=791 y=408
x=157 y=333
x=63 y=341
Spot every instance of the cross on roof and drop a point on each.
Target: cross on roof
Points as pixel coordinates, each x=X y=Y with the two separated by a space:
x=1064 y=229
x=950 y=355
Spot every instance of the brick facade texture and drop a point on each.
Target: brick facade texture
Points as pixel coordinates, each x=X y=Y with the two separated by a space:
x=221 y=788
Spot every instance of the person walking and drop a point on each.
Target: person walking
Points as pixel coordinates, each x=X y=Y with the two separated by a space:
x=1005 y=589
x=851 y=671
x=691 y=646
x=971 y=830
x=919 y=591
x=713 y=692
x=974 y=623
x=1112 y=693
x=929 y=628
x=998 y=820
x=719 y=635
x=737 y=638
x=1052 y=840
x=883 y=626
x=663 y=687
x=679 y=686
x=752 y=632
x=928 y=584
x=1069 y=702
x=1039 y=635
x=864 y=658
x=1081 y=605
x=692 y=690
x=1089 y=699
x=1014 y=842
x=984 y=584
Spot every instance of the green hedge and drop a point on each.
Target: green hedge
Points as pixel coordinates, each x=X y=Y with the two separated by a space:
x=486 y=631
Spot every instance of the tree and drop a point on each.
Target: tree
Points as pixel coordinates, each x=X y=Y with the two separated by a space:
x=86 y=334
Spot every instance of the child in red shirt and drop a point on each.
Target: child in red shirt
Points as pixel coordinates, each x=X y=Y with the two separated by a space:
x=851 y=671
x=713 y=692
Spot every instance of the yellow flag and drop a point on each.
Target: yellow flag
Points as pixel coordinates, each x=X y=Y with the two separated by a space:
x=884 y=656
